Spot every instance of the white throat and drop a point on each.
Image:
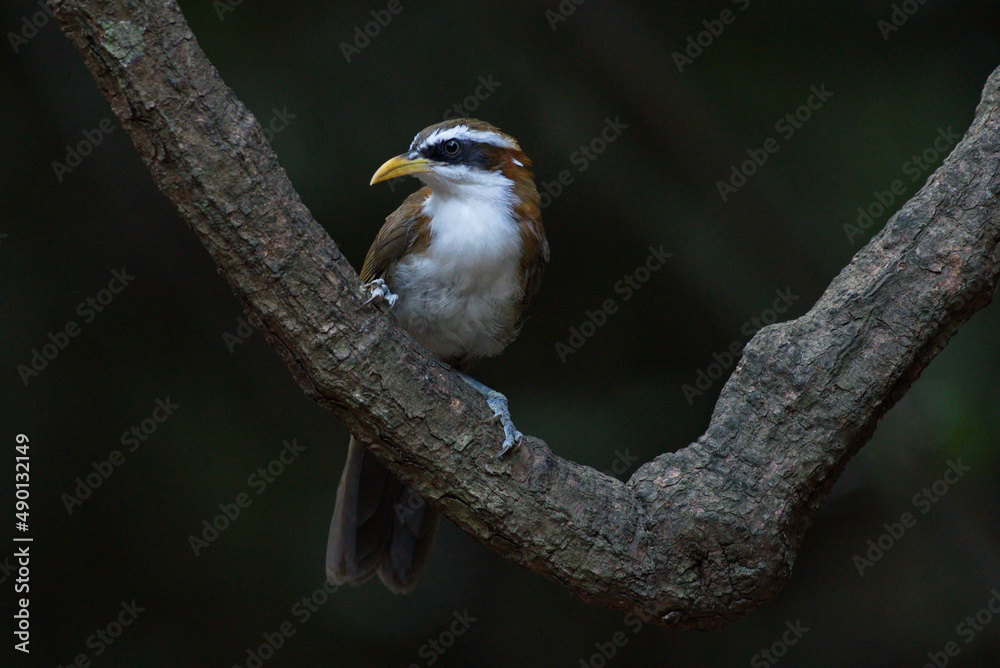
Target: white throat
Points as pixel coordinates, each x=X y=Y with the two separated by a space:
x=472 y=225
x=472 y=219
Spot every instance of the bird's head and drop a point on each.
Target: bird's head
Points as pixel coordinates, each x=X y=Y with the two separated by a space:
x=462 y=157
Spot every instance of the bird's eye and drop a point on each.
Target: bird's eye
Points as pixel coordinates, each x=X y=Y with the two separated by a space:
x=452 y=147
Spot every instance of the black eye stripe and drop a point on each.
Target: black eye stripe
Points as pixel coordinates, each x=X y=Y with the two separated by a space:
x=470 y=153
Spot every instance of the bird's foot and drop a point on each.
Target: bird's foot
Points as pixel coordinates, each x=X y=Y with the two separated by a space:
x=379 y=290
x=501 y=412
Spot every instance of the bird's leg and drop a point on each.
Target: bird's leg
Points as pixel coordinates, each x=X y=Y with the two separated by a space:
x=498 y=402
x=379 y=290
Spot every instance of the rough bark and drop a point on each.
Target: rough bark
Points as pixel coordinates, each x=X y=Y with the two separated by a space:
x=696 y=538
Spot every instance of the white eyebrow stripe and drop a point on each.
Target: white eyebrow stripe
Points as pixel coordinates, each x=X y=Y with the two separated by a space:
x=463 y=132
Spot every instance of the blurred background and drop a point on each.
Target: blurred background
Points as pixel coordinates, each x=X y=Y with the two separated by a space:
x=554 y=76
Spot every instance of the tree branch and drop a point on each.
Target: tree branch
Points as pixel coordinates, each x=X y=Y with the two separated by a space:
x=696 y=538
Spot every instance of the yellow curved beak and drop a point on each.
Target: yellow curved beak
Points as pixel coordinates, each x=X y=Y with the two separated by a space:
x=401 y=165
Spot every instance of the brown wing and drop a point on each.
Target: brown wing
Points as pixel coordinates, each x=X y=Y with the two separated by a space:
x=401 y=231
x=532 y=280
x=536 y=247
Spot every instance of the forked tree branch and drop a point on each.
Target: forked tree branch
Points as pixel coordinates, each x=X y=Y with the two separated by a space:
x=696 y=538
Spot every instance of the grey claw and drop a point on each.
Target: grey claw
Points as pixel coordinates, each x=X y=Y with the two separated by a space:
x=509 y=443
x=498 y=402
x=379 y=290
x=512 y=437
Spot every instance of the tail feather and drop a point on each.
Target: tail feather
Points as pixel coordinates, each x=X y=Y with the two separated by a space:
x=379 y=526
x=412 y=537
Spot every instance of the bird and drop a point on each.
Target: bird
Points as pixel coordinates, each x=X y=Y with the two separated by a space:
x=457 y=264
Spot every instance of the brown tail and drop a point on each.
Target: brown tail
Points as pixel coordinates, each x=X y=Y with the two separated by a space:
x=379 y=525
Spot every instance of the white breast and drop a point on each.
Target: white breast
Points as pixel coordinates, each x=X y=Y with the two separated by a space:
x=459 y=298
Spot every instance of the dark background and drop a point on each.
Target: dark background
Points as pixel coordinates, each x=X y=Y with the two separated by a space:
x=621 y=393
